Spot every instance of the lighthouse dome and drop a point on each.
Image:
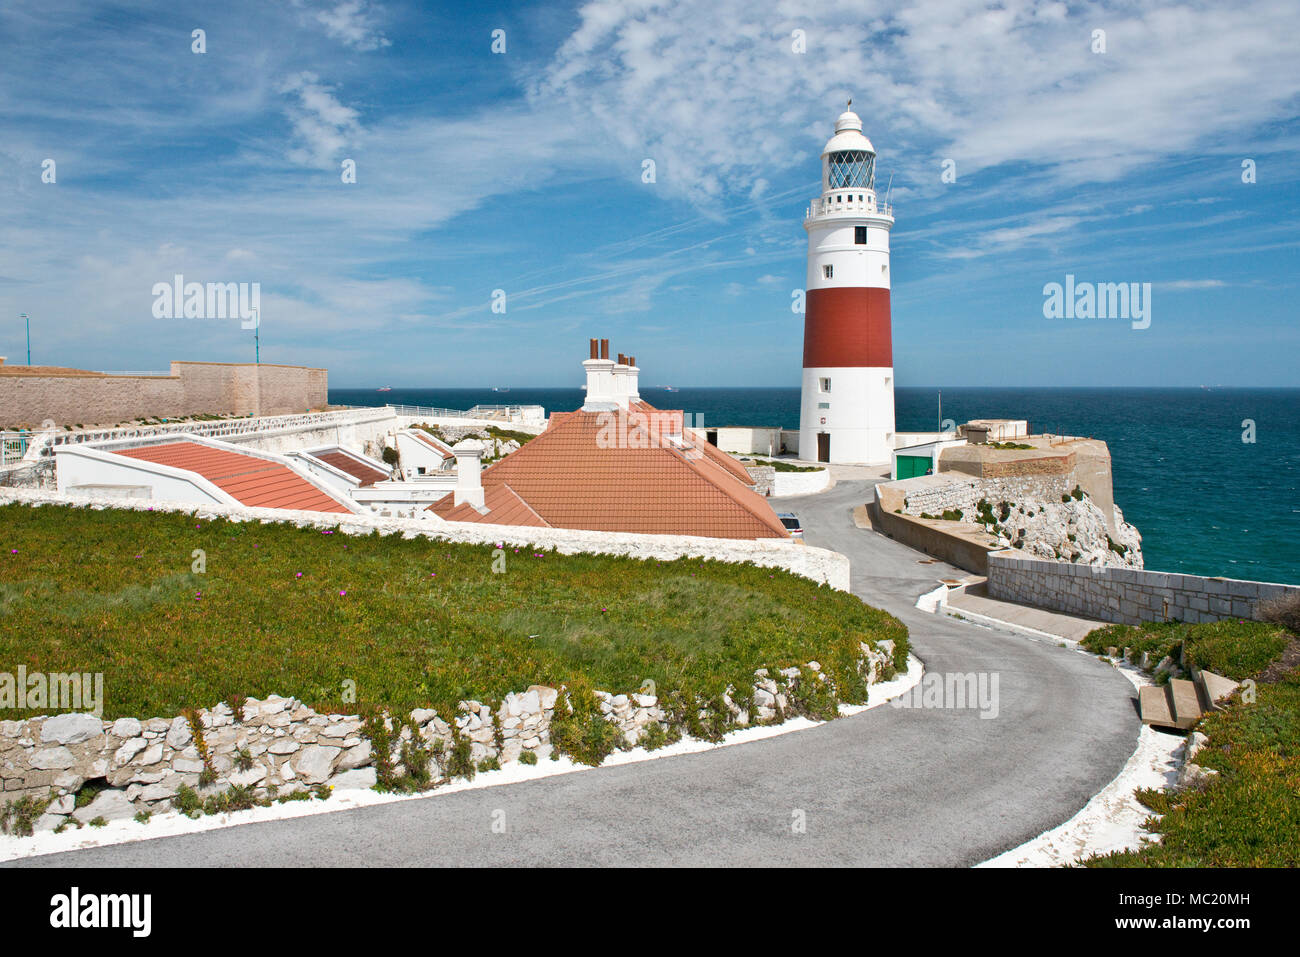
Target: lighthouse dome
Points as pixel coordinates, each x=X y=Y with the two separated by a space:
x=848 y=135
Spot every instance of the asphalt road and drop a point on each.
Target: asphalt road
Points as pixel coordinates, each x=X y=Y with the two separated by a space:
x=890 y=786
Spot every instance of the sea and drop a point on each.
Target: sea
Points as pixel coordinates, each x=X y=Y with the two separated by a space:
x=1210 y=476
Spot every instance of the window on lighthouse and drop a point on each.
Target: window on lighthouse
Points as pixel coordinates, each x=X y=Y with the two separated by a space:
x=860 y=235
x=850 y=169
x=828 y=271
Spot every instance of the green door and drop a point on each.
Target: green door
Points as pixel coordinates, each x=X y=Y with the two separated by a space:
x=910 y=466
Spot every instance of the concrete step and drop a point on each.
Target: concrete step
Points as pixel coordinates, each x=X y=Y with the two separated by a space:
x=1154 y=706
x=1216 y=688
x=1186 y=700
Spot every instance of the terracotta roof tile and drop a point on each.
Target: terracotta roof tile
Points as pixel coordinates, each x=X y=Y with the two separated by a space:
x=593 y=470
x=363 y=472
x=439 y=447
x=249 y=480
x=504 y=507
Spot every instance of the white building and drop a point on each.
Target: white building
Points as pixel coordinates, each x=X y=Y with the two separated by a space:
x=847 y=405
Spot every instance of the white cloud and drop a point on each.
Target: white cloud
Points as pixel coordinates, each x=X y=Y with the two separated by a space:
x=352 y=23
x=713 y=92
x=322 y=125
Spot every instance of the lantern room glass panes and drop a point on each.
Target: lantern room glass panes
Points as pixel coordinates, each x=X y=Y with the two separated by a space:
x=850 y=169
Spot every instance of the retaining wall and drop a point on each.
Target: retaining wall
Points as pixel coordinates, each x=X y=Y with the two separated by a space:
x=1126 y=595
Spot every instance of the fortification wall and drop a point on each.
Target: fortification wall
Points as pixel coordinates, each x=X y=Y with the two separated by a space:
x=193 y=388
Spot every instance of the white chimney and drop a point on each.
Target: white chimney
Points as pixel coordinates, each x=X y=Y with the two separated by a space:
x=600 y=379
x=621 y=381
x=469 y=466
x=633 y=374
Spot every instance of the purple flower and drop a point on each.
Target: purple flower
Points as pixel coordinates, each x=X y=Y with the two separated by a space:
x=342 y=593
x=298 y=575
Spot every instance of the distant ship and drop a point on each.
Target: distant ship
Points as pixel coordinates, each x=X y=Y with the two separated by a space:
x=669 y=388
x=498 y=388
x=387 y=388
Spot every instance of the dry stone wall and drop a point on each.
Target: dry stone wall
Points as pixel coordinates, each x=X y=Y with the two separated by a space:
x=277 y=746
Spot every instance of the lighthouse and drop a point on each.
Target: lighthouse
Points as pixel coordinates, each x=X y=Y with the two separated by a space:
x=846 y=411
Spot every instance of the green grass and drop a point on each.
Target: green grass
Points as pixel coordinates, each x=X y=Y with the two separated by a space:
x=783 y=466
x=1233 y=648
x=414 y=623
x=1249 y=814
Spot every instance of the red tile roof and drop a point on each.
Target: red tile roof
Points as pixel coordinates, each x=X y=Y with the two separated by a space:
x=504 y=507
x=433 y=443
x=363 y=472
x=600 y=471
x=249 y=480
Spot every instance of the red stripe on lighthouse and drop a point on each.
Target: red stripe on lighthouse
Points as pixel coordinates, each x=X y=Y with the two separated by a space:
x=847 y=327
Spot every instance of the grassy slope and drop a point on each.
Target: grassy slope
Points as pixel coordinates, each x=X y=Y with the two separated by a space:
x=422 y=623
x=1233 y=648
x=1249 y=815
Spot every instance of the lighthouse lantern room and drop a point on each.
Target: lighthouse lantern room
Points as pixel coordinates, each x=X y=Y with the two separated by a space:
x=847 y=405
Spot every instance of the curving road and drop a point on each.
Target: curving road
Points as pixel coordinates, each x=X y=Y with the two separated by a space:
x=886 y=787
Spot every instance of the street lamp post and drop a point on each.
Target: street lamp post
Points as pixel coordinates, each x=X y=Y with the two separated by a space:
x=28 y=322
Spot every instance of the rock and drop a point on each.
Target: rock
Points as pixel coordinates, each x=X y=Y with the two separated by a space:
x=179 y=734
x=359 y=779
x=48 y=821
x=284 y=746
x=52 y=759
x=128 y=750
x=422 y=716
x=245 y=779
x=111 y=805
x=162 y=791
x=546 y=696
x=127 y=728
x=71 y=728
x=355 y=757
x=188 y=765
x=314 y=763
x=1194 y=776
x=151 y=755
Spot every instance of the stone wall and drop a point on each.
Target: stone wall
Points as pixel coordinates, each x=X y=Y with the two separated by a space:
x=1125 y=595
x=193 y=388
x=278 y=746
x=817 y=564
x=764 y=477
x=936 y=494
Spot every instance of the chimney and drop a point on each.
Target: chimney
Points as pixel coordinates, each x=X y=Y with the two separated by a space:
x=633 y=374
x=600 y=379
x=619 y=391
x=469 y=466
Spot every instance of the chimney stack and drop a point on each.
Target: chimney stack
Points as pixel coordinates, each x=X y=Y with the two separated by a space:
x=469 y=468
x=600 y=379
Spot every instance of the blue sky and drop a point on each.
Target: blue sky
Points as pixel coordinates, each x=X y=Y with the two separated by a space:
x=522 y=171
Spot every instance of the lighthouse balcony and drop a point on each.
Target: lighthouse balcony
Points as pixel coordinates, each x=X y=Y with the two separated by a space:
x=849 y=203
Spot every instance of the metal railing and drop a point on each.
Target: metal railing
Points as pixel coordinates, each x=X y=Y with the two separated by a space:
x=214 y=428
x=13 y=446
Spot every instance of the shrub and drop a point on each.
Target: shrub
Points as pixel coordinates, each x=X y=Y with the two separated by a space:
x=580 y=730
x=19 y=817
x=528 y=757
x=458 y=761
x=1284 y=611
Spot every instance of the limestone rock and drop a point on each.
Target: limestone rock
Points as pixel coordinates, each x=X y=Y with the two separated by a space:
x=71 y=728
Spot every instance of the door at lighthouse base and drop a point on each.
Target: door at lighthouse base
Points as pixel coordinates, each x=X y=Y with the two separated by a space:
x=823 y=446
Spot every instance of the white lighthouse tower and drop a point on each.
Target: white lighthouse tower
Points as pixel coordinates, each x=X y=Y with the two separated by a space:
x=846 y=410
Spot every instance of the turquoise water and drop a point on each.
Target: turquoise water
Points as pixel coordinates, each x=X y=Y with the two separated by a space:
x=1206 y=502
